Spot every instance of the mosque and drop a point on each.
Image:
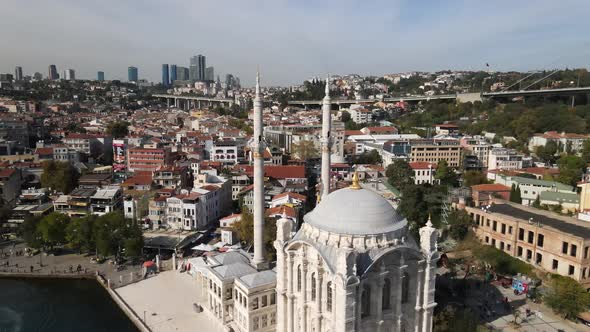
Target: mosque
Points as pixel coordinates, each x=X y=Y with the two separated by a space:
x=352 y=265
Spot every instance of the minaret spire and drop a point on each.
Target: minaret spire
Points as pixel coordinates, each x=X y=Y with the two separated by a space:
x=257 y=150
x=326 y=140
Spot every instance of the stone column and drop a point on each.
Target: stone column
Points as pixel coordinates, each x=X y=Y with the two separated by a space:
x=398 y=315
x=428 y=303
x=379 y=303
x=290 y=297
x=319 y=301
x=281 y=286
x=304 y=296
x=418 y=306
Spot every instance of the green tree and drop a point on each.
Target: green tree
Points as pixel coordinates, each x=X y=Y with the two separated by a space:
x=537 y=202
x=548 y=152
x=245 y=230
x=571 y=169
x=59 y=176
x=345 y=117
x=118 y=129
x=446 y=175
x=472 y=178
x=28 y=230
x=586 y=151
x=369 y=157
x=567 y=297
x=305 y=150
x=134 y=241
x=80 y=233
x=52 y=229
x=515 y=195
x=400 y=174
x=459 y=222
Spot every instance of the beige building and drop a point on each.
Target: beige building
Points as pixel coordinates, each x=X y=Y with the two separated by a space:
x=548 y=241
x=435 y=150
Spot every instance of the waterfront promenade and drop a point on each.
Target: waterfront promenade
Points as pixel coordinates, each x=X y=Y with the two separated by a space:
x=165 y=303
x=42 y=265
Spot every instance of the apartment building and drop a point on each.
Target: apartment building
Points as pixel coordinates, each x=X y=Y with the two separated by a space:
x=505 y=159
x=424 y=172
x=548 y=241
x=478 y=147
x=361 y=115
x=142 y=159
x=435 y=150
x=171 y=177
x=566 y=141
x=106 y=200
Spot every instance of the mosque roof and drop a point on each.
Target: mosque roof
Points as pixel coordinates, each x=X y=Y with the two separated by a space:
x=355 y=212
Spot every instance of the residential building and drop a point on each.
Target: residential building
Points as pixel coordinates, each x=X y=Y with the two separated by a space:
x=505 y=159
x=361 y=115
x=142 y=159
x=230 y=220
x=551 y=242
x=69 y=75
x=566 y=142
x=476 y=146
x=171 y=177
x=10 y=184
x=15 y=130
x=424 y=172
x=75 y=204
x=530 y=189
x=106 y=200
x=31 y=203
x=484 y=194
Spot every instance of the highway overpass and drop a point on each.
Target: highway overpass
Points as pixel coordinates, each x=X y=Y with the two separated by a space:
x=189 y=102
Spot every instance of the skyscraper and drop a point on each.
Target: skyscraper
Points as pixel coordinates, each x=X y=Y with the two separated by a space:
x=69 y=75
x=209 y=74
x=197 y=68
x=132 y=74
x=100 y=76
x=182 y=73
x=165 y=75
x=202 y=66
x=18 y=73
x=173 y=75
x=52 y=74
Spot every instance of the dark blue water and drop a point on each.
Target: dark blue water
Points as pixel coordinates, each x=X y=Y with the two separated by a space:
x=58 y=305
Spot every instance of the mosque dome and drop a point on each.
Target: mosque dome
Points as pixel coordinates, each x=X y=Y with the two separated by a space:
x=355 y=211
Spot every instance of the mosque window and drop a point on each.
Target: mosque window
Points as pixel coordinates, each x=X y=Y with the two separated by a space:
x=313 y=289
x=366 y=301
x=329 y=296
x=405 y=287
x=255 y=303
x=386 y=295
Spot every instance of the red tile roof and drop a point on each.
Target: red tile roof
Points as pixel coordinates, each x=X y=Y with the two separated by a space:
x=4 y=173
x=290 y=194
x=276 y=172
x=278 y=211
x=490 y=187
x=422 y=165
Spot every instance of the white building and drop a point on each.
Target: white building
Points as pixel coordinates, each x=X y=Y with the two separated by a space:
x=106 y=200
x=424 y=172
x=567 y=141
x=359 y=114
x=353 y=266
x=505 y=159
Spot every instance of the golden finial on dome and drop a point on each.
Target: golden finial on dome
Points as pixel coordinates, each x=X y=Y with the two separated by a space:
x=355 y=181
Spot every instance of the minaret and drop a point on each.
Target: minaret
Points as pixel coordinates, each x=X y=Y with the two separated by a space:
x=258 y=260
x=326 y=140
x=428 y=244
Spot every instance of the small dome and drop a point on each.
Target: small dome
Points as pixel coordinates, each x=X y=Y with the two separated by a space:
x=355 y=212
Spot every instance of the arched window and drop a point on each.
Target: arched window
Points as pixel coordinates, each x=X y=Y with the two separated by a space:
x=405 y=287
x=299 y=278
x=366 y=301
x=386 y=295
x=329 y=296
x=313 y=289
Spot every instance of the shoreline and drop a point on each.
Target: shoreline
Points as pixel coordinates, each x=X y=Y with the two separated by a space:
x=104 y=283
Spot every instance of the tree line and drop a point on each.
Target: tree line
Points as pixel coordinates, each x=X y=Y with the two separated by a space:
x=106 y=235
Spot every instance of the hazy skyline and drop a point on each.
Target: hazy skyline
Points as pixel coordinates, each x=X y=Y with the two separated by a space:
x=292 y=40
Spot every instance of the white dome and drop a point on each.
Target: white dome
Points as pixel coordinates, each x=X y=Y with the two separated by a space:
x=356 y=212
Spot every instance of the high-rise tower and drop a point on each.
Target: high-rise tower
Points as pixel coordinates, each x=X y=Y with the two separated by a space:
x=132 y=74
x=258 y=260
x=165 y=75
x=326 y=140
x=18 y=73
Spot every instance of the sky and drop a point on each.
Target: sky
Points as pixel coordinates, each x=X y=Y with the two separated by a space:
x=292 y=40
